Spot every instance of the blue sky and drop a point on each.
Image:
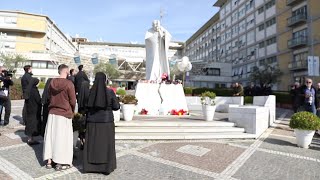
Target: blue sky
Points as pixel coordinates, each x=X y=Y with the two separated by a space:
x=121 y=20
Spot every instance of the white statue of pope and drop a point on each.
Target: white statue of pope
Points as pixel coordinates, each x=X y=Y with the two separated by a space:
x=157 y=41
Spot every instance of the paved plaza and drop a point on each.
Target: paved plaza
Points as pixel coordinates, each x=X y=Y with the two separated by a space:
x=273 y=156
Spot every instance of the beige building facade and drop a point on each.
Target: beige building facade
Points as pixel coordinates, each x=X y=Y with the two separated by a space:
x=248 y=33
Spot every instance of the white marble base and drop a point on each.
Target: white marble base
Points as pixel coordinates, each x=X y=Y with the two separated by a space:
x=148 y=98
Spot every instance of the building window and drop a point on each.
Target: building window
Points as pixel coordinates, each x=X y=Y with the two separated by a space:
x=39 y=64
x=302 y=33
x=270 y=4
x=212 y=71
x=301 y=57
x=261 y=27
x=271 y=41
x=271 y=22
x=261 y=45
x=260 y=10
x=272 y=60
x=250 y=5
x=302 y=10
x=262 y=61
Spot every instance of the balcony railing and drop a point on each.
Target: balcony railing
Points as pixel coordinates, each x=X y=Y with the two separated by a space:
x=297 y=19
x=298 y=65
x=298 y=42
x=292 y=2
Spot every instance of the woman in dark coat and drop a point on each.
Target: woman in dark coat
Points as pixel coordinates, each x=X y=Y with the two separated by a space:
x=33 y=111
x=45 y=110
x=99 y=150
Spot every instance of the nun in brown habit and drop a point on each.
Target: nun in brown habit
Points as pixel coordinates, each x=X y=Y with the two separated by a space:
x=99 y=149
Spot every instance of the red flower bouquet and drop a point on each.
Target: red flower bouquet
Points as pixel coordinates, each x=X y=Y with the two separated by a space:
x=144 y=112
x=178 y=113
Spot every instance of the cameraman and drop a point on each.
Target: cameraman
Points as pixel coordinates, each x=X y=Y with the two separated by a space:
x=5 y=78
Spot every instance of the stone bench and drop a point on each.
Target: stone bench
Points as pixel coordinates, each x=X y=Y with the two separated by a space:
x=255 y=118
x=222 y=103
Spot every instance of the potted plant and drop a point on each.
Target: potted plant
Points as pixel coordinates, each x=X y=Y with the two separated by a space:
x=304 y=125
x=128 y=106
x=208 y=105
x=121 y=92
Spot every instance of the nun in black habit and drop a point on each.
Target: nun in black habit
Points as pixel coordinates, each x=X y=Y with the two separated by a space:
x=99 y=150
x=33 y=111
x=45 y=110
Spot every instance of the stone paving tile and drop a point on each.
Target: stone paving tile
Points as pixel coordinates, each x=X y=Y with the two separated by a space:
x=6 y=141
x=4 y=176
x=289 y=145
x=132 y=167
x=27 y=159
x=242 y=143
x=284 y=131
x=125 y=146
x=216 y=160
x=269 y=166
x=6 y=130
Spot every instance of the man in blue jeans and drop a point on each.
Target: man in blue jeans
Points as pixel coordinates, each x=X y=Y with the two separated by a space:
x=310 y=97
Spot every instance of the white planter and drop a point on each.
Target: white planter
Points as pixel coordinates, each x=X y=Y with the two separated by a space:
x=116 y=116
x=128 y=111
x=208 y=112
x=304 y=137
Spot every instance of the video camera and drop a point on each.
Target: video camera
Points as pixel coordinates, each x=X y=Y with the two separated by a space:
x=7 y=73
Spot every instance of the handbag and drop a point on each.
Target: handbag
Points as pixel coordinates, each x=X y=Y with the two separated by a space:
x=3 y=96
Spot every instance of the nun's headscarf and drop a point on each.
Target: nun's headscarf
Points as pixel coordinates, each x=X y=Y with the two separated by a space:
x=97 y=97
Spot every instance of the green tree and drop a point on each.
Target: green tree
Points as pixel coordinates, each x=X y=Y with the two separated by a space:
x=12 y=61
x=266 y=74
x=108 y=69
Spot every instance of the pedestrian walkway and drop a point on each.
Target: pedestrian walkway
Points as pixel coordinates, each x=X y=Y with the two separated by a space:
x=273 y=156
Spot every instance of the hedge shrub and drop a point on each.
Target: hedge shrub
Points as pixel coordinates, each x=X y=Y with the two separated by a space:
x=16 y=90
x=248 y=100
x=283 y=97
x=218 y=91
x=188 y=90
x=41 y=85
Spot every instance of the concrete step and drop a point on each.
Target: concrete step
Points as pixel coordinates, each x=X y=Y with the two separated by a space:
x=175 y=123
x=181 y=136
x=177 y=129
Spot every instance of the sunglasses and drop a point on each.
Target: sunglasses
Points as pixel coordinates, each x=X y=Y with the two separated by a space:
x=309 y=82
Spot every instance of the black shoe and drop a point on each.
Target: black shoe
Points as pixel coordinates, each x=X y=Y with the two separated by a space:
x=31 y=143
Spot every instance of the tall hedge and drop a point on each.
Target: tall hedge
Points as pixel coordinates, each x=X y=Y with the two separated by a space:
x=16 y=90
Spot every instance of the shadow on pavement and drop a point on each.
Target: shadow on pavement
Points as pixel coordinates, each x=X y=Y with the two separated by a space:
x=19 y=118
x=279 y=142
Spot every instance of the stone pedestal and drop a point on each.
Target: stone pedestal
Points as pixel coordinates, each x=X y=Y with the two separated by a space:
x=148 y=95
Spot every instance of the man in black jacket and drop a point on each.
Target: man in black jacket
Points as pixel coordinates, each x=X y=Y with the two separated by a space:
x=80 y=77
x=26 y=78
x=71 y=76
x=6 y=82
